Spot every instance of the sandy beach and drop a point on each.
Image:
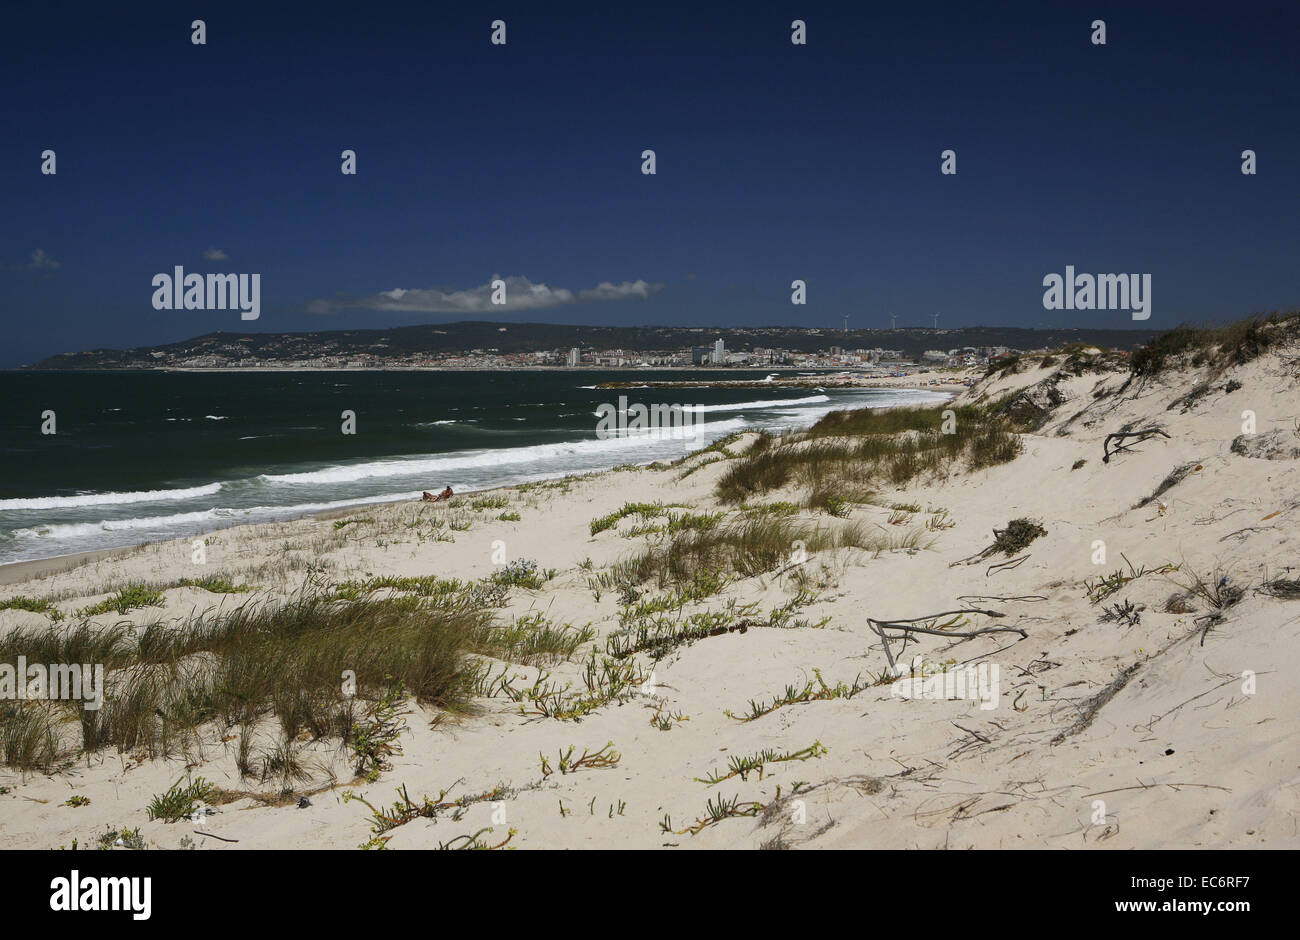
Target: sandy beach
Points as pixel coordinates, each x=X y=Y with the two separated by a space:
x=1136 y=693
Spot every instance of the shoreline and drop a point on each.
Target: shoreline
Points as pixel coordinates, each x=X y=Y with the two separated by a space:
x=15 y=572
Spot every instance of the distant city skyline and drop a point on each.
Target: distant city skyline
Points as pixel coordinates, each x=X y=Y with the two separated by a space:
x=781 y=170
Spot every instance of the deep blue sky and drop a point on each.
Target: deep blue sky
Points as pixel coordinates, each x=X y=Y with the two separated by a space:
x=775 y=161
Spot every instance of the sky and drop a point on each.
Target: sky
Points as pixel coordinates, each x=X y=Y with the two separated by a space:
x=774 y=162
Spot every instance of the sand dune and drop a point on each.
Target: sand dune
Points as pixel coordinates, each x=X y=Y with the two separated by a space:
x=1171 y=731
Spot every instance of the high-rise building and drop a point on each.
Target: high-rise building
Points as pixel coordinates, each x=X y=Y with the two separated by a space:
x=719 y=353
x=575 y=357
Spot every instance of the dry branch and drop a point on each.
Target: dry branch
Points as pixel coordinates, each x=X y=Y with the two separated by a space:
x=1143 y=435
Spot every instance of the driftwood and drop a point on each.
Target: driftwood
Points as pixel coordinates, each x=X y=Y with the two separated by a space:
x=1006 y=565
x=213 y=835
x=1000 y=597
x=909 y=626
x=1143 y=435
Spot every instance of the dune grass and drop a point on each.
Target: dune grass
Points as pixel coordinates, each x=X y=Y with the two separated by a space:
x=307 y=667
x=1231 y=345
x=751 y=546
x=844 y=455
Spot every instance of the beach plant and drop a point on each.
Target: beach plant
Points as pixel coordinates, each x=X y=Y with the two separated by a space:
x=374 y=739
x=716 y=809
x=524 y=573
x=848 y=451
x=814 y=691
x=940 y=521
x=646 y=511
x=272 y=657
x=1217 y=588
x=663 y=719
x=782 y=616
x=34 y=604
x=658 y=635
x=534 y=639
x=129 y=839
x=778 y=508
x=215 y=584
x=742 y=767
x=752 y=546
x=128 y=598
x=384 y=819
x=344 y=523
x=568 y=764
x=1098 y=589
x=605 y=679
x=1218 y=347
x=179 y=801
x=29 y=738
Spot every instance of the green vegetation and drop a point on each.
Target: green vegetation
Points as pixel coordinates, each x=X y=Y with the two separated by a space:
x=716 y=810
x=742 y=767
x=1221 y=347
x=749 y=547
x=533 y=640
x=128 y=598
x=344 y=523
x=1017 y=536
x=605 y=679
x=215 y=585
x=130 y=839
x=29 y=738
x=568 y=764
x=405 y=809
x=34 y=604
x=523 y=573
x=1099 y=589
x=179 y=801
x=817 y=691
x=283 y=662
x=847 y=453
x=646 y=511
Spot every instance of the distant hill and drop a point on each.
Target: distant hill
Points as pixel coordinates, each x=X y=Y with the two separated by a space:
x=506 y=338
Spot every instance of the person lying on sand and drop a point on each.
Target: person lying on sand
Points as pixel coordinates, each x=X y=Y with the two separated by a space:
x=430 y=498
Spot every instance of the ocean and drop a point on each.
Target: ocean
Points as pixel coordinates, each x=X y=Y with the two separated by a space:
x=142 y=456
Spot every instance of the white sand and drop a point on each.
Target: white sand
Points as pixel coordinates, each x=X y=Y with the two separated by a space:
x=1180 y=755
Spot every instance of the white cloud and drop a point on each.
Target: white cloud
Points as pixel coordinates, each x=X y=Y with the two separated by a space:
x=520 y=294
x=607 y=291
x=40 y=261
x=215 y=254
